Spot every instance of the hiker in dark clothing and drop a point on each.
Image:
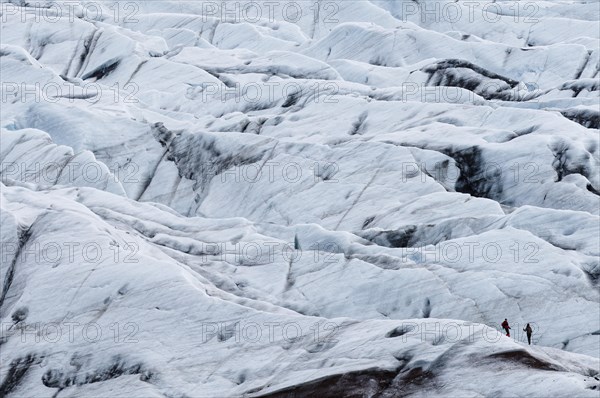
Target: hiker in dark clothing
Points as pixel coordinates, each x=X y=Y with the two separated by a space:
x=506 y=327
x=529 y=333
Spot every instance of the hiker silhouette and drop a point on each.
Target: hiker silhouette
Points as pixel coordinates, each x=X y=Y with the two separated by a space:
x=506 y=327
x=529 y=333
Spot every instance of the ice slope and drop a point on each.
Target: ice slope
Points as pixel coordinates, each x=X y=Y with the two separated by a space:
x=385 y=178
x=181 y=319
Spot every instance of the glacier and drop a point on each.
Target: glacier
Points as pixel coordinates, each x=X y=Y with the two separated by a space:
x=299 y=198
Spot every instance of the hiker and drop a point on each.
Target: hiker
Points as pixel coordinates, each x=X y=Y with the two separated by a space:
x=506 y=327
x=529 y=333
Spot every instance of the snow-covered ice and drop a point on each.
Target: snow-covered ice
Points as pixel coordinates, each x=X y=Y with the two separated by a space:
x=282 y=199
